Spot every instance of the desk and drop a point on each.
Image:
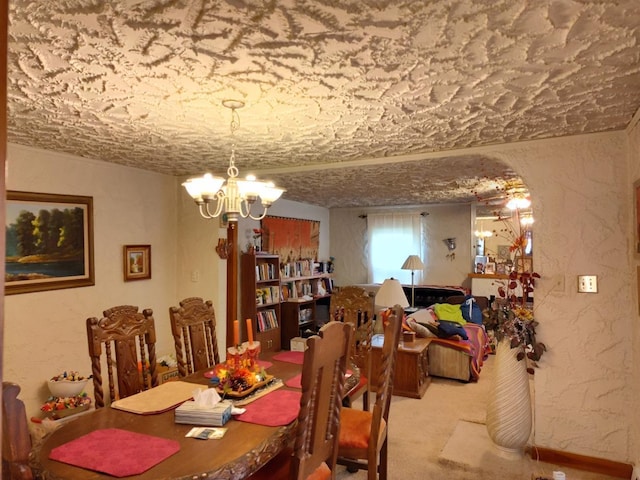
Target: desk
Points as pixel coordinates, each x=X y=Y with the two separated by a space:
x=243 y=450
x=411 y=377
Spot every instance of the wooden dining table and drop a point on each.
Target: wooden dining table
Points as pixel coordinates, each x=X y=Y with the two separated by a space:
x=244 y=448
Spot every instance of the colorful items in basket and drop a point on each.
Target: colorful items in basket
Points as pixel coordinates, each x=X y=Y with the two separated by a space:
x=60 y=407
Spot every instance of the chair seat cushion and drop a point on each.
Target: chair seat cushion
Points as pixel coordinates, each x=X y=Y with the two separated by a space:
x=278 y=468
x=355 y=429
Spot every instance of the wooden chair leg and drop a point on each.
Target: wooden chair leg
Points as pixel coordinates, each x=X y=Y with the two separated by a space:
x=365 y=401
x=383 y=461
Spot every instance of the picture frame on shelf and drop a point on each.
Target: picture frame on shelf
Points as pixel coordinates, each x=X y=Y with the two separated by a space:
x=490 y=268
x=501 y=268
x=523 y=264
x=137 y=262
x=43 y=259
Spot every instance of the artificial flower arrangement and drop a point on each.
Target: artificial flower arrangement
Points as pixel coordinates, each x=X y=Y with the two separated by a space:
x=240 y=374
x=512 y=316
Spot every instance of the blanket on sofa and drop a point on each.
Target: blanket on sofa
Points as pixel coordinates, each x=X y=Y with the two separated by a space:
x=476 y=347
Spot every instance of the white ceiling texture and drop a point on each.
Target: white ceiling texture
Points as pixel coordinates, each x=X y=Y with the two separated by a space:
x=352 y=96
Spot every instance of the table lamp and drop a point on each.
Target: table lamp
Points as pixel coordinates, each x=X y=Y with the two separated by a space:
x=412 y=263
x=389 y=295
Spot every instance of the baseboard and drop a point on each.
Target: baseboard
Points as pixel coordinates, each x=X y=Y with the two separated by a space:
x=582 y=462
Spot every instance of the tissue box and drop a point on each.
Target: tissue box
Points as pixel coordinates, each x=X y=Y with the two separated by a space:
x=298 y=344
x=193 y=414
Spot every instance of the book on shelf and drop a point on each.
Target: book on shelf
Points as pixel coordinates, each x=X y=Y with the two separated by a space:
x=267 y=320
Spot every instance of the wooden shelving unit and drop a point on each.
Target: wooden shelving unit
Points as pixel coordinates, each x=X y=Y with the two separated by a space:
x=306 y=299
x=260 y=297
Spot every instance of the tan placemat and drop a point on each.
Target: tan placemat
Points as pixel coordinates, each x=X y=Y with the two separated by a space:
x=159 y=399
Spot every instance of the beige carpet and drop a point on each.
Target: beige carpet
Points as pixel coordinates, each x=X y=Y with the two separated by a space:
x=443 y=437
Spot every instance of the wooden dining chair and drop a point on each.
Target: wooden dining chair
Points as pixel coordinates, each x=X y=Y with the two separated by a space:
x=315 y=447
x=16 y=440
x=193 y=325
x=364 y=435
x=353 y=305
x=132 y=335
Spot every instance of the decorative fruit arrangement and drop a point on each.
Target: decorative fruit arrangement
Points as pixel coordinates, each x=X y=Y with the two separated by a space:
x=64 y=403
x=237 y=380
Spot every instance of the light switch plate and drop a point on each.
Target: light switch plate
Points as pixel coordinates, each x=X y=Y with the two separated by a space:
x=587 y=284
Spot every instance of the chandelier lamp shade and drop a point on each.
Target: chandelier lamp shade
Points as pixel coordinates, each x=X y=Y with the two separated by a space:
x=216 y=195
x=413 y=263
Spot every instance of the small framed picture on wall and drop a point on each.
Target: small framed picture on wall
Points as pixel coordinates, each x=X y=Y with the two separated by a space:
x=137 y=262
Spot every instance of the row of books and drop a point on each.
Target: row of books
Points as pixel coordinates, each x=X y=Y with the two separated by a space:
x=266 y=271
x=267 y=295
x=300 y=268
x=296 y=289
x=267 y=320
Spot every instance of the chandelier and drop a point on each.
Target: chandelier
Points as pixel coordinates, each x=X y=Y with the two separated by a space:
x=215 y=195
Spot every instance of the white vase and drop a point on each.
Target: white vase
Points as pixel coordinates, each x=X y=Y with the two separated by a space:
x=509 y=408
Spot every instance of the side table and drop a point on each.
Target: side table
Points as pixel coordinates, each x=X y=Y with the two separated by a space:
x=411 y=378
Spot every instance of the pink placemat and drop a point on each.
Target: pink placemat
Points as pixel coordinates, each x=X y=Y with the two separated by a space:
x=291 y=357
x=294 y=382
x=264 y=364
x=278 y=408
x=110 y=451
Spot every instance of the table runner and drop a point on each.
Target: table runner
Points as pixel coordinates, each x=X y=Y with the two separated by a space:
x=291 y=357
x=273 y=410
x=116 y=452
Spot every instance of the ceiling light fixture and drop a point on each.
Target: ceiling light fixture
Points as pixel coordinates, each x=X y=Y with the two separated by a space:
x=518 y=202
x=235 y=197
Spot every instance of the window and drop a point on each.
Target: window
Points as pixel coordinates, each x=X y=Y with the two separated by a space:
x=392 y=238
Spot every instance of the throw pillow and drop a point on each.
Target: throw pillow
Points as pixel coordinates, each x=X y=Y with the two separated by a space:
x=449 y=312
x=421 y=330
x=425 y=315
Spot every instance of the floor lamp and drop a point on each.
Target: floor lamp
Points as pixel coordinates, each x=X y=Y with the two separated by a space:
x=412 y=263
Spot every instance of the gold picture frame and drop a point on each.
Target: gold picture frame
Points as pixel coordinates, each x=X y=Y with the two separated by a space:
x=56 y=254
x=137 y=262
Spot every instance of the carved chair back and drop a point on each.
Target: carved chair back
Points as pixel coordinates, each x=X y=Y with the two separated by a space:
x=132 y=336
x=353 y=305
x=323 y=380
x=16 y=441
x=193 y=325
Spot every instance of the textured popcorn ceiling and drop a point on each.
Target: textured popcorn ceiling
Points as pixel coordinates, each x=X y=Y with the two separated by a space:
x=325 y=82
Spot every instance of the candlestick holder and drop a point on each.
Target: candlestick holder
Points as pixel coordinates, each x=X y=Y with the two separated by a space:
x=252 y=352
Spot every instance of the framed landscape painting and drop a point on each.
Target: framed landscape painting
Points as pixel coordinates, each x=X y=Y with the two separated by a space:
x=49 y=242
x=137 y=262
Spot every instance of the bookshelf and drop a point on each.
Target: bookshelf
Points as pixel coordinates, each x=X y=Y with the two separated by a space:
x=260 y=295
x=306 y=294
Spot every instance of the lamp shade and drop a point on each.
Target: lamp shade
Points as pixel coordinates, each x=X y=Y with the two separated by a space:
x=412 y=262
x=391 y=294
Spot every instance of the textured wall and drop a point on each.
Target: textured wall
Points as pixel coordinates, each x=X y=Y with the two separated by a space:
x=582 y=205
x=45 y=332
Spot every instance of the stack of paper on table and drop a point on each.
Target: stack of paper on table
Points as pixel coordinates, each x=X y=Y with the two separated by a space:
x=192 y=413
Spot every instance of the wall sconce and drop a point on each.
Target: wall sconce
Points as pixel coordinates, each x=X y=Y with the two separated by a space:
x=450 y=243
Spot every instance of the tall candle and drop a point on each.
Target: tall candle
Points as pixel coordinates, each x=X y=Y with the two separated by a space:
x=236 y=333
x=249 y=331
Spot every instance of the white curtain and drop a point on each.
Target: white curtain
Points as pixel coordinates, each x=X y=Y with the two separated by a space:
x=392 y=237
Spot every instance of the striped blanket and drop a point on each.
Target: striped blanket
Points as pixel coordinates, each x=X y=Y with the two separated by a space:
x=477 y=347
